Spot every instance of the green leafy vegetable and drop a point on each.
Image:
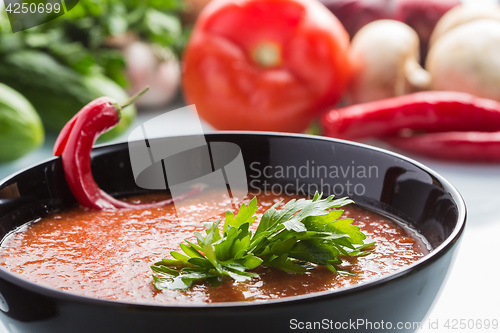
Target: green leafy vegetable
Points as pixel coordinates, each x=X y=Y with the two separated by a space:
x=293 y=239
x=81 y=39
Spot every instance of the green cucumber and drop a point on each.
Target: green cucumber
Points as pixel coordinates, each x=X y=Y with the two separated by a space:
x=21 y=129
x=58 y=92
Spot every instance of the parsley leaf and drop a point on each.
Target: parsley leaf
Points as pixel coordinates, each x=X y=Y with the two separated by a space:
x=302 y=234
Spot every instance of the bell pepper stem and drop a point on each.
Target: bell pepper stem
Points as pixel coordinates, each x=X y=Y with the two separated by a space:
x=267 y=54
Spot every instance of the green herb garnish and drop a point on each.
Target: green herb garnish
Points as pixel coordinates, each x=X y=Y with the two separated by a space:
x=302 y=234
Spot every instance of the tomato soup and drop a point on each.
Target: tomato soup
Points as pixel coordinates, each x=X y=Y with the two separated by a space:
x=108 y=254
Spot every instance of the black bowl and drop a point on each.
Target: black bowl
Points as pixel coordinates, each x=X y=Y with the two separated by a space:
x=396 y=186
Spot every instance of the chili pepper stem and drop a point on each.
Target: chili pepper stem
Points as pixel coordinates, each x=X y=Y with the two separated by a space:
x=129 y=101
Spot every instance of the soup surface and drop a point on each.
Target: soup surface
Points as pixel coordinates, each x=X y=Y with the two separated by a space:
x=108 y=254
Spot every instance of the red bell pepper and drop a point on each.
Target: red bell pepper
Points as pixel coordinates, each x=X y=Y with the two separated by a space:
x=268 y=65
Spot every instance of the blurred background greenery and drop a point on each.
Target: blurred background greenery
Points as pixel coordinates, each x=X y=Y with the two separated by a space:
x=98 y=48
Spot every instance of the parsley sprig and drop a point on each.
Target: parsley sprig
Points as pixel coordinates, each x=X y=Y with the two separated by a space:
x=302 y=234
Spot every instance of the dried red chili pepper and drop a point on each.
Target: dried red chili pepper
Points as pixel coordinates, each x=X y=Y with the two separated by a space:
x=443 y=124
x=74 y=144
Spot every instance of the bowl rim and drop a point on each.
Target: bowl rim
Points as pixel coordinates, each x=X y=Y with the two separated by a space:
x=420 y=264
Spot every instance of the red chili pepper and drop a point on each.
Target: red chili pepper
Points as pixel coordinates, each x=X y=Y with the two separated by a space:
x=74 y=144
x=440 y=124
x=436 y=111
x=457 y=146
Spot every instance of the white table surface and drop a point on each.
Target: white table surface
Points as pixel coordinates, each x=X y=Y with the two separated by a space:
x=472 y=290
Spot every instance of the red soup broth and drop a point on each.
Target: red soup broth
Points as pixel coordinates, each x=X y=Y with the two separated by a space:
x=108 y=254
